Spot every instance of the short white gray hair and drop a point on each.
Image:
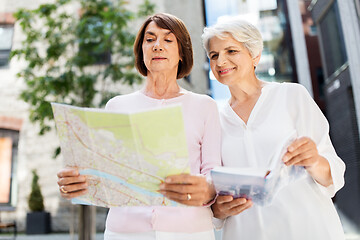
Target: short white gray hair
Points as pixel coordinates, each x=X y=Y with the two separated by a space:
x=241 y=30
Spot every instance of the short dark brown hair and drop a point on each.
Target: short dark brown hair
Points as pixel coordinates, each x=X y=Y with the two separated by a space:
x=177 y=27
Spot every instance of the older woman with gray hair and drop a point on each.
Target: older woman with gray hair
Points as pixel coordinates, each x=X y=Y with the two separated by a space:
x=258 y=118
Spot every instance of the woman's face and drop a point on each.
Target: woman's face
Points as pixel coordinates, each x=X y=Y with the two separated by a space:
x=230 y=61
x=160 y=50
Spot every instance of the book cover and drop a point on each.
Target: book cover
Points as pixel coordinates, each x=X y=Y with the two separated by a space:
x=259 y=185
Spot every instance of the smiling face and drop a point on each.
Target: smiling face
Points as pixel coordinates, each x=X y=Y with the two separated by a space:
x=160 y=50
x=230 y=61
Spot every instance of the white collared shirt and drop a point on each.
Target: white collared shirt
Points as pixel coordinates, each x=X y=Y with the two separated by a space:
x=303 y=210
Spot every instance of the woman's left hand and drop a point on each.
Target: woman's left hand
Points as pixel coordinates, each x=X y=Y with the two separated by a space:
x=188 y=189
x=303 y=152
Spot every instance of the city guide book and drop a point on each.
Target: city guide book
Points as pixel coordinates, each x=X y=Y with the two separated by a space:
x=259 y=185
x=124 y=155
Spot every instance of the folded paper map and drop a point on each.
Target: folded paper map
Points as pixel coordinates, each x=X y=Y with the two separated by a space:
x=125 y=155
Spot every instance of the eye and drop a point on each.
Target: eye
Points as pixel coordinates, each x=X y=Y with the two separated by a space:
x=214 y=56
x=149 y=40
x=168 y=40
x=231 y=51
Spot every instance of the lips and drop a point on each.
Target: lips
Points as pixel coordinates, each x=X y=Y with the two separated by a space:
x=226 y=70
x=158 y=58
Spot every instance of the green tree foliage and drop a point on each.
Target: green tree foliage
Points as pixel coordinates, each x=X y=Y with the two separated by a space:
x=61 y=48
x=36 y=200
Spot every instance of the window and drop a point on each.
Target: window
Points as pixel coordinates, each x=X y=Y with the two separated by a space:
x=357 y=5
x=92 y=46
x=6 y=36
x=333 y=42
x=313 y=30
x=9 y=138
x=5 y=170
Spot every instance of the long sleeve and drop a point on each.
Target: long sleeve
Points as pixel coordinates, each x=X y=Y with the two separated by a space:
x=210 y=147
x=312 y=123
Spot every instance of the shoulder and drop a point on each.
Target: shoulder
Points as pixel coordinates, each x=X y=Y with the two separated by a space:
x=298 y=93
x=294 y=88
x=288 y=90
x=200 y=105
x=299 y=100
x=120 y=100
x=201 y=99
x=288 y=86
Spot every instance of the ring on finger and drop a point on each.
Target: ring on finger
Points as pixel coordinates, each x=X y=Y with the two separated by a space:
x=188 y=196
x=63 y=190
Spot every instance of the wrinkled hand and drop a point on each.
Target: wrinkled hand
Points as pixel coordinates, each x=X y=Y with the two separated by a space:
x=226 y=206
x=303 y=152
x=188 y=189
x=71 y=183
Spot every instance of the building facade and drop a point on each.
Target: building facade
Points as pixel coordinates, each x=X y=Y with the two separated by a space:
x=338 y=35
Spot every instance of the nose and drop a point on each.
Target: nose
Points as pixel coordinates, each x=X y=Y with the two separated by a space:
x=221 y=60
x=157 y=46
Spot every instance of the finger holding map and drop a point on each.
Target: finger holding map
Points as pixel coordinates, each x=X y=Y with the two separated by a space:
x=71 y=183
x=188 y=189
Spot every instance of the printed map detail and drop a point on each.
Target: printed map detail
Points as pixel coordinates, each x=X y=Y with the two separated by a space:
x=125 y=156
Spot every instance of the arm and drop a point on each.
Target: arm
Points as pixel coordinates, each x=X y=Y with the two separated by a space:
x=317 y=152
x=71 y=183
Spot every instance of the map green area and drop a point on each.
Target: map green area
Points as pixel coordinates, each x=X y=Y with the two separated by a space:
x=124 y=155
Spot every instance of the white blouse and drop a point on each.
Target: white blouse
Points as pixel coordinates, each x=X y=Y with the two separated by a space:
x=303 y=210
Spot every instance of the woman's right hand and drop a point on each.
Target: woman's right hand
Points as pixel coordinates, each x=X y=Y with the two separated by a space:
x=226 y=206
x=71 y=183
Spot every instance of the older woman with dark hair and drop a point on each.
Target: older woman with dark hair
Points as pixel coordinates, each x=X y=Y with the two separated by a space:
x=257 y=120
x=163 y=54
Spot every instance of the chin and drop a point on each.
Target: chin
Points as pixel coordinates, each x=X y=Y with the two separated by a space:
x=222 y=81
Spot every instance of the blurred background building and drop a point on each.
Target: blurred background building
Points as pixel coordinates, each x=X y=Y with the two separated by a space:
x=22 y=149
x=314 y=43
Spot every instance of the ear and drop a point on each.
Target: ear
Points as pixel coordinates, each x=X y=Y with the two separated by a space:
x=256 y=60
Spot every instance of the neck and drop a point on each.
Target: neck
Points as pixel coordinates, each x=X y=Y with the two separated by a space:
x=241 y=91
x=160 y=86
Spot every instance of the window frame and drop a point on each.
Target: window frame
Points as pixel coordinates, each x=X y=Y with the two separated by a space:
x=5 y=53
x=10 y=127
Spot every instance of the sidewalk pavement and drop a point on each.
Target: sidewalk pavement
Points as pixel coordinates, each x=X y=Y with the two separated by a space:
x=99 y=236
x=351 y=230
x=52 y=236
